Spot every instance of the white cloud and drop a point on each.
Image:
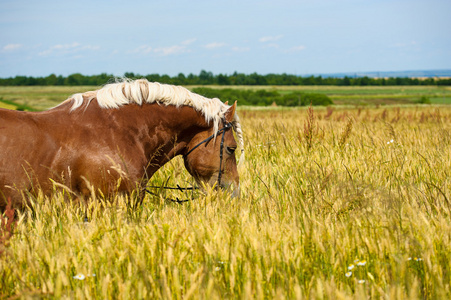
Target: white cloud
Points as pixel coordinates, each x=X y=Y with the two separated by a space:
x=296 y=49
x=65 y=46
x=171 y=50
x=182 y=47
x=89 y=47
x=241 y=49
x=68 y=48
x=188 y=42
x=272 y=45
x=144 y=49
x=214 y=45
x=12 y=47
x=45 y=52
x=266 y=39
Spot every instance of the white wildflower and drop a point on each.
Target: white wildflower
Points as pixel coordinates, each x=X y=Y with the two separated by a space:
x=79 y=277
x=361 y=263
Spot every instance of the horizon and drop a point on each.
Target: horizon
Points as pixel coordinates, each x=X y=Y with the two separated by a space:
x=438 y=73
x=292 y=37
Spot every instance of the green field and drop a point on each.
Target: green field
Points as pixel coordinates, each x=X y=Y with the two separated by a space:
x=365 y=95
x=40 y=97
x=341 y=203
x=43 y=97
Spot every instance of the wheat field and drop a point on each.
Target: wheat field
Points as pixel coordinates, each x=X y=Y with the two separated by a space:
x=336 y=203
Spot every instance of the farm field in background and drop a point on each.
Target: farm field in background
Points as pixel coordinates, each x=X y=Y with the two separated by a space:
x=336 y=203
x=371 y=95
x=43 y=97
x=39 y=97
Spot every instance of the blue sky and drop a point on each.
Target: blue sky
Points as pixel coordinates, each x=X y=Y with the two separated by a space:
x=38 y=38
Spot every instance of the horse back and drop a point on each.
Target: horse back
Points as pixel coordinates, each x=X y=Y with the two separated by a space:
x=69 y=148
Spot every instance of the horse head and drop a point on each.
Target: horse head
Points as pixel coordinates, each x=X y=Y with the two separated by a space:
x=210 y=156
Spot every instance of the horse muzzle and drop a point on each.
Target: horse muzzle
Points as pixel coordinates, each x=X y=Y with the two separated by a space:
x=231 y=187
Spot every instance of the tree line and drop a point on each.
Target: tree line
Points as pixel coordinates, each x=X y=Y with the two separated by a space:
x=208 y=78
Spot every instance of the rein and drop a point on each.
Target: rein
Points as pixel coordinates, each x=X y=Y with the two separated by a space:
x=227 y=126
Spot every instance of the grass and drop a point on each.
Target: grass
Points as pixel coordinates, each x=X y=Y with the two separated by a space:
x=369 y=95
x=441 y=100
x=325 y=192
x=6 y=105
x=40 y=97
x=43 y=97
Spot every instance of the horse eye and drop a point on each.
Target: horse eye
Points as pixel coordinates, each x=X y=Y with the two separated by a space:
x=230 y=150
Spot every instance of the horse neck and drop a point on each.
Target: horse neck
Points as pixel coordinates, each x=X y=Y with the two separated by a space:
x=164 y=131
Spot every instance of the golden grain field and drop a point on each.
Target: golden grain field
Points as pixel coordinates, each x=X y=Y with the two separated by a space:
x=336 y=203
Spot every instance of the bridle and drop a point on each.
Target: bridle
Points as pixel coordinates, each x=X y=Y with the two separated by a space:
x=223 y=130
x=227 y=126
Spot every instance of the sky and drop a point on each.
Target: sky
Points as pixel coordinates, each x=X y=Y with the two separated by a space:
x=38 y=38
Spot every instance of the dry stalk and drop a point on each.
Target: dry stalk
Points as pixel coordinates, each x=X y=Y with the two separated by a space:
x=346 y=133
x=6 y=225
x=390 y=130
x=329 y=112
x=309 y=128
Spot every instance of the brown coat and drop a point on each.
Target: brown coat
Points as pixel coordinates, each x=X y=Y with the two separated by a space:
x=97 y=146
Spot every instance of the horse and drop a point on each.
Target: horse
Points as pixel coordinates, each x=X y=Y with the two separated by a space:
x=112 y=140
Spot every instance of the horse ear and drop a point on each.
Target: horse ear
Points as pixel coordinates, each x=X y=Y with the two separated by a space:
x=226 y=103
x=230 y=113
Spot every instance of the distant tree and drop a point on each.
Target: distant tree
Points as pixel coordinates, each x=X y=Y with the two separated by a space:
x=153 y=77
x=74 y=79
x=223 y=80
x=51 y=80
x=346 y=81
x=238 y=79
x=444 y=82
x=103 y=78
x=364 y=81
x=129 y=75
x=181 y=79
x=192 y=79
x=206 y=77
x=309 y=80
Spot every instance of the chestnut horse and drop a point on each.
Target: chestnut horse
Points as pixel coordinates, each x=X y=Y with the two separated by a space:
x=114 y=139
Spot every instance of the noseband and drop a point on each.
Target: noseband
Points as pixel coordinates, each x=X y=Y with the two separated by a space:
x=227 y=126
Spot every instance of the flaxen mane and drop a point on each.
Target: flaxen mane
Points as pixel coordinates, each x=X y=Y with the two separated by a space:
x=142 y=91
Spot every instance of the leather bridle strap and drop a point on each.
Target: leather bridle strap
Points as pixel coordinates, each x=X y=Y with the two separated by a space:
x=226 y=127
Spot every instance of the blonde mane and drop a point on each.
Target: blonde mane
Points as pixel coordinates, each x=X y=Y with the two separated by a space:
x=142 y=91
